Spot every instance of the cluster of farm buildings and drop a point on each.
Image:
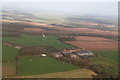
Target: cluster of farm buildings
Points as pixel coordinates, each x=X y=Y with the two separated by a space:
x=72 y=52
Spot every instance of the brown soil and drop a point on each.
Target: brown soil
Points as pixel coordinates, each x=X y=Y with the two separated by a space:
x=94 y=43
x=8 y=71
x=33 y=29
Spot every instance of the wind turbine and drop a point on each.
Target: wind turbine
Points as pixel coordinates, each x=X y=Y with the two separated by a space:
x=43 y=35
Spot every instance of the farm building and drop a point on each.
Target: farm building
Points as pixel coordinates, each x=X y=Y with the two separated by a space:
x=18 y=47
x=73 y=53
x=73 y=56
x=56 y=54
x=85 y=53
x=73 y=50
x=43 y=54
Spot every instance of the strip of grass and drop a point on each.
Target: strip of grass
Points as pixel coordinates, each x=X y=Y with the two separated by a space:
x=42 y=65
x=37 y=41
x=9 y=53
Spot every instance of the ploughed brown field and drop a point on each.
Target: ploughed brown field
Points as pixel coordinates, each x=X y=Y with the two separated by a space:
x=33 y=29
x=94 y=43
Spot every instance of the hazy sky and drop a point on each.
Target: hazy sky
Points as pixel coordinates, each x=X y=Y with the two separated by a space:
x=99 y=8
x=59 y=0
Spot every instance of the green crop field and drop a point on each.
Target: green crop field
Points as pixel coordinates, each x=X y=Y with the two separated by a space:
x=9 y=53
x=37 y=41
x=42 y=65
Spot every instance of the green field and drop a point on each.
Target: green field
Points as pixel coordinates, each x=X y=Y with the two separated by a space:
x=111 y=55
x=9 y=53
x=38 y=65
x=42 y=65
x=37 y=41
x=108 y=59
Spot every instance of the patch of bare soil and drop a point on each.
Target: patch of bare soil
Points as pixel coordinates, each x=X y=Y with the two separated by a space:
x=8 y=71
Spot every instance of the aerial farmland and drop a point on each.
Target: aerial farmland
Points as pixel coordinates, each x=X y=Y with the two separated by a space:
x=41 y=45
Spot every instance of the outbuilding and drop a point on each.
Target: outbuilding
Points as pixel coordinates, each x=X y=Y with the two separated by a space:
x=85 y=53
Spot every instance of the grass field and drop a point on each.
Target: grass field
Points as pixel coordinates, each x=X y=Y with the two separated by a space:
x=108 y=59
x=37 y=41
x=42 y=65
x=9 y=53
x=110 y=54
x=79 y=73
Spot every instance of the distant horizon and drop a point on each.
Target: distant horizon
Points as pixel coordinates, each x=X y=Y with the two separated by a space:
x=67 y=8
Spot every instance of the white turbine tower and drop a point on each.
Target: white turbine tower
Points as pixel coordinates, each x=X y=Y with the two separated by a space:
x=43 y=35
